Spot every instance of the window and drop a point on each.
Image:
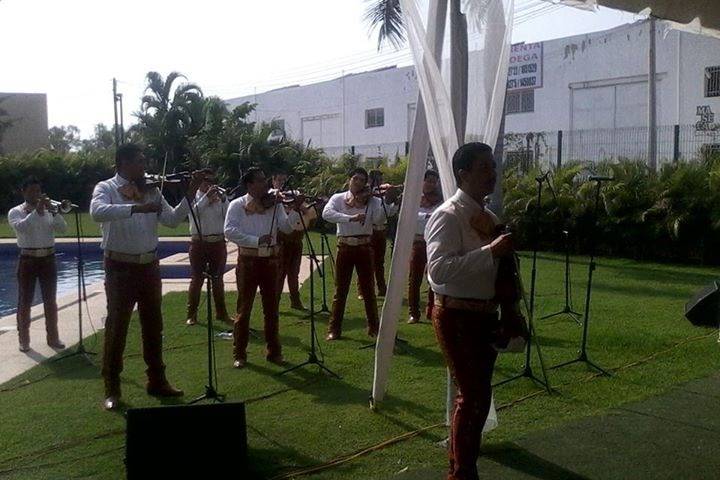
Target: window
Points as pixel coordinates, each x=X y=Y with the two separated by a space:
x=278 y=123
x=375 y=117
x=520 y=102
x=712 y=82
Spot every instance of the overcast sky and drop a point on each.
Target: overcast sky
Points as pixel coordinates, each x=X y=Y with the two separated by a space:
x=71 y=49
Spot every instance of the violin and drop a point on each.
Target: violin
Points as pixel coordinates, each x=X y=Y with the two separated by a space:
x=138 y=188
x=509 y=292
x=360 y=199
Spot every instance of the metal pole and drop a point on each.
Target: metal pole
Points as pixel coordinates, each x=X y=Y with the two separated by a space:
x=652 y=98
x=122 y=123
x=676 y=143
x=559 y=149
x=115 y=108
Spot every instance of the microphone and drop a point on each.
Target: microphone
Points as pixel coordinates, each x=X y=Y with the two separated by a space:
x=600 y=178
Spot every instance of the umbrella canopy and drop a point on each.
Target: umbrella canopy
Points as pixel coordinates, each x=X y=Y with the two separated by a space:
x=697 y=15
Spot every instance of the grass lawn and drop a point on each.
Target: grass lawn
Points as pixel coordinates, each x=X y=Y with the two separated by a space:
x=55 y=428
x=91 y=228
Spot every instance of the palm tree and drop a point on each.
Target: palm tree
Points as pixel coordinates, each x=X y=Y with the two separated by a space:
x=169 y=116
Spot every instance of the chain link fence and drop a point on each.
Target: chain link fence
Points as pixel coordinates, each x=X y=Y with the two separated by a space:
x=675 y=143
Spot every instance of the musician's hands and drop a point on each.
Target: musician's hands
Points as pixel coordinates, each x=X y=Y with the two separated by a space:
x=213 y=193
x=360 y=217
x=42 y=205
x=152 y=207
x=502 y=245
x=265 y=240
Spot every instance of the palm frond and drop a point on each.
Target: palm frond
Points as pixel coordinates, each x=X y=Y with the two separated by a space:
x=387 y=17
x=155 y=83
x=167 y=87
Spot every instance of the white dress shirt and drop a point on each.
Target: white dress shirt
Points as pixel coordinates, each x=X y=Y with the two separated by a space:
x=391 y=209
x=246 y=229
x=338 y=211
x=123 y=231
x=210 y=215
x=460 y=263
x=34 y=230
x=422 y=219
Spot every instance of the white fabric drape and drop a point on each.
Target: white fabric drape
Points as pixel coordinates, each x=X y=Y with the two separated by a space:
x=489 y=35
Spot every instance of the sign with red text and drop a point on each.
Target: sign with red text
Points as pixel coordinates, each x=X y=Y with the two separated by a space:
x=526 y=66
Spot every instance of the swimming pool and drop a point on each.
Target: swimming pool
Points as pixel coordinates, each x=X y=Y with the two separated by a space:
x=67 y=269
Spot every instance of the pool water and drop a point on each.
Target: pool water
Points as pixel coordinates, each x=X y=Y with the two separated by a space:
x=66 y=254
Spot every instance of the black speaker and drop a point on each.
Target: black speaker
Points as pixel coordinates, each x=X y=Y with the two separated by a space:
x=703 y=310
x=185 y=440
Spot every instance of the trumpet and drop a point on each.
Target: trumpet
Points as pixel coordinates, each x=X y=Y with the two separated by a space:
x=62 y=206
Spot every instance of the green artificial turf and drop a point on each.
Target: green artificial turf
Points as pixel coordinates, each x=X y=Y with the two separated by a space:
x=55 y=428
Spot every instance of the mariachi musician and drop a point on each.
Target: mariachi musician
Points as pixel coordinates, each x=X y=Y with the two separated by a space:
x=130 y=211
x=291 y=244
x=430 y=200
x=354 y=211
x=35 y=223
x=253 y=222
x=380 y=226
x=207 y=248
x=464 y=254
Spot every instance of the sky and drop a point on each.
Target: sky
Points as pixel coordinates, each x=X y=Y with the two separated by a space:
x=72 y=49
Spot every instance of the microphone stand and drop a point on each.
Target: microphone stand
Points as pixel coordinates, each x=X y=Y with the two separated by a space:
x=81 y=294
x=313 y=358
x=582 y=355
x=210 y=390
x=527 y=371
x=324 y=243
x=567 y=309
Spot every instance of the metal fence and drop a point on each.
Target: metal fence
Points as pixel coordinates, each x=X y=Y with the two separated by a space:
x=675 y=143
x=371 y=151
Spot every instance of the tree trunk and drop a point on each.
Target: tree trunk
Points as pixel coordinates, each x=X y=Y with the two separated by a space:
x=458 y=68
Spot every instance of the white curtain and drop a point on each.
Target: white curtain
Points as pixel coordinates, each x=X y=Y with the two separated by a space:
x=489 y=29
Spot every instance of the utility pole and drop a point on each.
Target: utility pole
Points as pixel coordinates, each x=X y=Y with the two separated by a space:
x=122 y=116
x=118 y=139
x=652 y=98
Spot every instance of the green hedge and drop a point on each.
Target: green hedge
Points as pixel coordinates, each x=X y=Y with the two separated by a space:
x=64 y=176
x=672 y=215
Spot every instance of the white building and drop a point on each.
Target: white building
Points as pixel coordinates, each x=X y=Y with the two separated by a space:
x=371 y=111
x=593 y=87
x=28 y=117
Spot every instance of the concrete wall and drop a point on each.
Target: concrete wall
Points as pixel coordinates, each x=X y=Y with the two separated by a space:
x=30 y=129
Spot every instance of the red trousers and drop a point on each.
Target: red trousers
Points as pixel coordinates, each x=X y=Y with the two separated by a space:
x=359 y=258
x=29 y=271
x=292 y=247
x=379 y=246
x=465 y=341
x=201 y=254
x=251 y=273
x=418 y=262
x=127 y=284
